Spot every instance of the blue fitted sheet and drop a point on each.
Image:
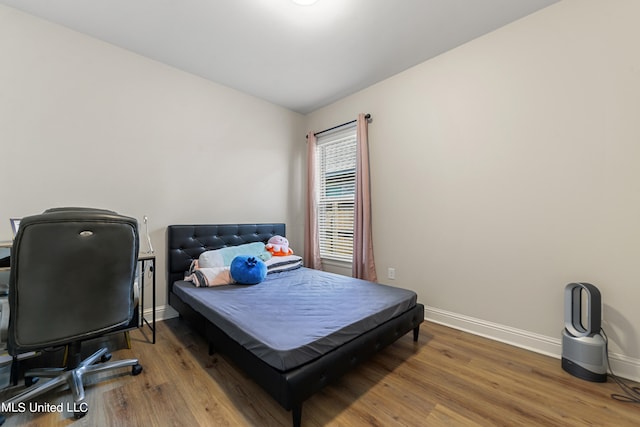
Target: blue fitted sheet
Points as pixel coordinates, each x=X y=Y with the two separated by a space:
x=294 y=317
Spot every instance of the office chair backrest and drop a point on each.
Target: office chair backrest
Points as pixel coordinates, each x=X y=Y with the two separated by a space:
x=72 y=275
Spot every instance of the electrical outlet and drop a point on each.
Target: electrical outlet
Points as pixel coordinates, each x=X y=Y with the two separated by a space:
x=391 y=273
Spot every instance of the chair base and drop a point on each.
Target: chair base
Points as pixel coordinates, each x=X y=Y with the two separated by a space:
x=72 y=377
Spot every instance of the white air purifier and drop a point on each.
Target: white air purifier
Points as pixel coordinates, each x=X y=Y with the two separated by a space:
x=584 y=349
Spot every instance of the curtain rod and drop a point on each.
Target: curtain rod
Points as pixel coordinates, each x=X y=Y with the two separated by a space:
x=367 y=116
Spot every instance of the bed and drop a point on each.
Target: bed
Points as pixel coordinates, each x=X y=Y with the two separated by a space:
x=289 y=366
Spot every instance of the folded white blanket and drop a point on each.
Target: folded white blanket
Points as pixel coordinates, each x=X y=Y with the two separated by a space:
x=209 y=276
x=283 y=263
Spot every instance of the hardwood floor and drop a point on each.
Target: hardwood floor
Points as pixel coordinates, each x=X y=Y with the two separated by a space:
x=447 y=378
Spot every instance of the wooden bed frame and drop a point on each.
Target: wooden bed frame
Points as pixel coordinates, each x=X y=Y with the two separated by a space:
x=289 y=388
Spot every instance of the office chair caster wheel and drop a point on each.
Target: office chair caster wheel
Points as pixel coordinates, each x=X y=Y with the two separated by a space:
x=105 y=357
x=136 y=369
x=29 y=381
x=79 y=414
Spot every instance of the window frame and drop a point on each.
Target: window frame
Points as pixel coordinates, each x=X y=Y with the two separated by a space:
x=335 y=193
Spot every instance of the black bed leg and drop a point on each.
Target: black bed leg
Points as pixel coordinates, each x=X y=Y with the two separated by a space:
x=416 y=332
x=296 y=414
x=211 y=349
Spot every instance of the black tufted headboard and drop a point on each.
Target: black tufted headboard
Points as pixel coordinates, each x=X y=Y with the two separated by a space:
x=186 y=242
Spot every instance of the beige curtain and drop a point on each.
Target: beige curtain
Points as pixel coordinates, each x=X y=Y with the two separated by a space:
x=363 y=262
x=311 y=240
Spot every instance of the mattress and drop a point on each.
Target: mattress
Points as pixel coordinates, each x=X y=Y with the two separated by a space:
x=294 y=317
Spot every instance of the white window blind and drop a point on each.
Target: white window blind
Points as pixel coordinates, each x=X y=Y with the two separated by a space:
x=336 y=183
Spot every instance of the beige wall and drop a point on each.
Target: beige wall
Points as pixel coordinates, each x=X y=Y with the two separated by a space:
x=502 y=170
x=83 y=123
x=509 y=167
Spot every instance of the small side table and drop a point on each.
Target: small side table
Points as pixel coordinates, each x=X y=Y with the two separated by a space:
x=150 y=260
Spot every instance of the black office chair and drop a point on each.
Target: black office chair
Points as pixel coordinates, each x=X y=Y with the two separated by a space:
x=72 y=276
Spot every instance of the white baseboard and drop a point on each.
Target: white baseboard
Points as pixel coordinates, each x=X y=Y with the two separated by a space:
x=623 y=366
x=162 y=313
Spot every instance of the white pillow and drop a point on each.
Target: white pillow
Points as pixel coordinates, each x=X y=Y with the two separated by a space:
x=211 y=259
x=223 y=257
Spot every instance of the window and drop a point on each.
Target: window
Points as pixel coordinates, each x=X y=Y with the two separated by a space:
x=336 y=182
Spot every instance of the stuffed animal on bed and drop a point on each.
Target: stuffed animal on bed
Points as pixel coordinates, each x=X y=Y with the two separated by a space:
x=248 y=270
x=278 y=246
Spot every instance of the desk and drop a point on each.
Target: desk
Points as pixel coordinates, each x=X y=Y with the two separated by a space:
x=150 y=260
x=5 y=244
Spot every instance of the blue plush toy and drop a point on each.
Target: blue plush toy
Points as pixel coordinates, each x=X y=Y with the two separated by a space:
x=248 y=270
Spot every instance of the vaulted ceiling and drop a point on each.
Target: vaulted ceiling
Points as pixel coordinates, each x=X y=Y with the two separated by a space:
x=299 y=57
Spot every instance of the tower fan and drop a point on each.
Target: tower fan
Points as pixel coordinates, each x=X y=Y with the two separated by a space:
x=584 y=350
